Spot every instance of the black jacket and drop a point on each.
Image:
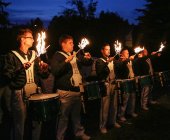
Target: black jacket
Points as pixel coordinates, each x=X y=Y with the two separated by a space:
x=14 y=71
x=121 y=69
x=102 y=69
x=62 y=71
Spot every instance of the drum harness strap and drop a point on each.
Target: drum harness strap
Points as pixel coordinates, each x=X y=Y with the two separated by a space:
x=150 y=66
x=131 y=73
x=29 y=71
x=76 y=79
x=111 y=77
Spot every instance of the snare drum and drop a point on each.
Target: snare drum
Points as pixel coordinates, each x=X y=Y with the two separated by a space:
x=44 y=107
x=91 y=90
x=127 y=85
x=145 y=80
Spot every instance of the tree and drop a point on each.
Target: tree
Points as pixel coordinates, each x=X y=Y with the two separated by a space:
x=80 y=9
x=155 y=22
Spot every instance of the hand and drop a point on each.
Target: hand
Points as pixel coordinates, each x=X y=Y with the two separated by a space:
x=156 y=53
x=132 y=57
x=27 y=65
x=69 y=58
x=87 y=55
x=153 y=53
x=110 y=59
x=43 y=66
x=122 y=58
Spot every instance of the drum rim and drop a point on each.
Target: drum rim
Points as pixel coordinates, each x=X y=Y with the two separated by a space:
x=90 y=83
x=43 y=99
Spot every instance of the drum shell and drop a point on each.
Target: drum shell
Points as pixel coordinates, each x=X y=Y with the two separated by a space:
x=145 y=81
x=91 y=90
x=128 y=86
x=44 y=109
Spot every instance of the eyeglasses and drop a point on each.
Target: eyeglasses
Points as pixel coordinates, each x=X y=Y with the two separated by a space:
x=28 y=37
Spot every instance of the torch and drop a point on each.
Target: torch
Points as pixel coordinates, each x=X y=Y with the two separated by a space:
x=84 y=42
x=40 y=47
x=161 y=48
x=138 y=50
x=118 y=48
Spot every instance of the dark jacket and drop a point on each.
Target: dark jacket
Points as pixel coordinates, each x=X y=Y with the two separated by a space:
x=3 y=81
x=14 y=71
x=102 y=69
x=62 y=71
x=121 y=69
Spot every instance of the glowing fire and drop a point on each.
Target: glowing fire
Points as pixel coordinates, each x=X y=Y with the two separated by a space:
x=161 y=47
x=41 y=44
x=84 y=42
x=138 y=49
x=118 y=47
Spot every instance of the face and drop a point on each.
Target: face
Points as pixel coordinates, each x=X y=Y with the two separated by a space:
x=68 y=45
x=125 y=54
x=27 y=40
x=145 y=52
x=106 y=51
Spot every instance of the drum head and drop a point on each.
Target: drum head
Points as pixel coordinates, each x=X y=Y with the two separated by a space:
x=43 y=96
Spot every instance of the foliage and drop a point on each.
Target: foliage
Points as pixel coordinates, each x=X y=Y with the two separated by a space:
x=3 y=14
x=155 y=23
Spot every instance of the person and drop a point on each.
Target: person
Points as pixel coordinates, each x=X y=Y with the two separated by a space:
x=143 y=69
x=5 y=103
x=150 y=58
x=124 y=73
x=65 y=66
x=21 y=71
x=106 y=75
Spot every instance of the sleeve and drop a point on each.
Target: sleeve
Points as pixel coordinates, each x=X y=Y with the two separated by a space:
x=59 y=66
x=11 y=69
x=84 y=61
x=102 y=69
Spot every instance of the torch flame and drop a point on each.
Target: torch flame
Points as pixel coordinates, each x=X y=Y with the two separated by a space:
x=138 y=49
x=84 y=42
x=41 y=43
x=161 y=47
x=118 y=47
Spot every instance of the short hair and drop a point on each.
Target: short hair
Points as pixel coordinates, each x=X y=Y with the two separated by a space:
x=124 y=48
x=22 y=32
x=63 y=38
x=104 y=45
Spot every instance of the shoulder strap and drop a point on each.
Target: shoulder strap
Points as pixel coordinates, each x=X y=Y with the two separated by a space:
x=103 y=60
x=22 y=59
x=63 y=54
x=19 y=56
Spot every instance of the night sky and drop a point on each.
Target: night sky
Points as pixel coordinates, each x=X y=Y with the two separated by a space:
x=23 y=10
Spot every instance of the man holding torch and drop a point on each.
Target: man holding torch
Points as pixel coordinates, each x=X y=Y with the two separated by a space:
x=143 y=69
x=21 y=70
x=106 y=76
x=65 y=67
x=125 y=74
